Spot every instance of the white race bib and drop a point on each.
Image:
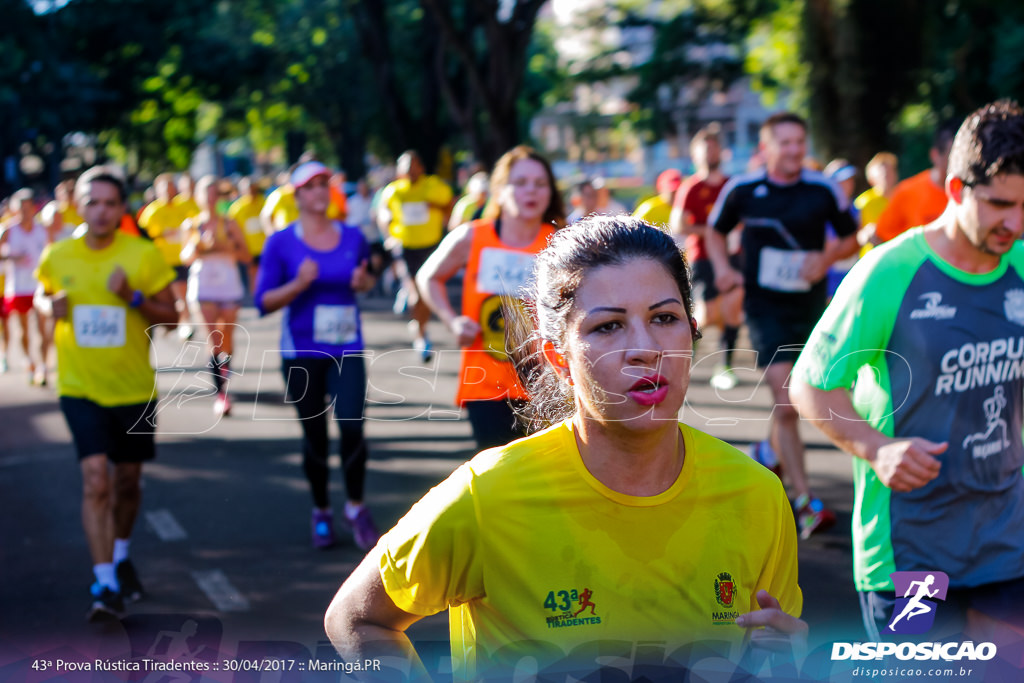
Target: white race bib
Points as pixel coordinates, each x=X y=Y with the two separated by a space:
x=415 y=213
x=780 y=270
x=99 y=327
x=503 y=271
x=334 y=325
x=252 y=226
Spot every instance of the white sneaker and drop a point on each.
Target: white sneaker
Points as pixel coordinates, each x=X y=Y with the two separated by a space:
x=425 y=348
x=222 y=406
x=724 y=378
x=401 y=302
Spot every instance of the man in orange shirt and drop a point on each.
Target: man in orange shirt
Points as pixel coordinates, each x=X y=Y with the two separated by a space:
x=920 y=198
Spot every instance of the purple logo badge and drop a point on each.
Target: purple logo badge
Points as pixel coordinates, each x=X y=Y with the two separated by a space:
x=917 y=594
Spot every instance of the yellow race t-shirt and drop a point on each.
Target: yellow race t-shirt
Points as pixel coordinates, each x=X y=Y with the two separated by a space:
x=416 y=219
x=162 y=222
x=655 y=211
x=870 y=203
x=246 y=212
x=282 y=207
x=534 y=557
x=187 y=205
x=102 y=343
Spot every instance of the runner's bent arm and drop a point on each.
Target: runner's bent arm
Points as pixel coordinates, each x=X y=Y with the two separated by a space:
x=275 y=289
x=267 y=213
x=363 y=622
x=157 y=309
x=241 y=248
x=50 y=305
x=727 y=278
x=901 y=464
x=191 y=235
x=817 y=263
x=451 y=255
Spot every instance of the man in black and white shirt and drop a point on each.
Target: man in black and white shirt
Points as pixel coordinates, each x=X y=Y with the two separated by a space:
x=783 y=209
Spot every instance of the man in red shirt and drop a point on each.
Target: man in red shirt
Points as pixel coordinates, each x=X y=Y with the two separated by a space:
x=688 y=221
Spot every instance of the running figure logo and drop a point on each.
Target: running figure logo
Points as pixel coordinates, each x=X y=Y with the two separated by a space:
x=915 y=611
x=994 y=406
x=585 y=602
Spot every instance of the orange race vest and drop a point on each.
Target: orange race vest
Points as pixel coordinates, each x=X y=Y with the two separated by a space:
x=494 y=270
x=128 y=226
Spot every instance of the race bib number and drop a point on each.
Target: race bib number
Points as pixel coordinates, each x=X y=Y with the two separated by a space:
x=334 y=325
x=252 y=226
x=780 y=270
x=99 y=327
x=415 y=213
x=502 y=271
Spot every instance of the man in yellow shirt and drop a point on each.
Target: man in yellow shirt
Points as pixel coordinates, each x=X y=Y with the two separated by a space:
x=279 y=210
x=104 y=290
x=60 y=216
x=882 y=173
x=658 y=209
x=162 y=220
x=415 y=209
x=246 y=212
x=185 y=199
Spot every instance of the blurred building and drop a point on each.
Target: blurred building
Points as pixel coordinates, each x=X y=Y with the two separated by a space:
x=594 y=132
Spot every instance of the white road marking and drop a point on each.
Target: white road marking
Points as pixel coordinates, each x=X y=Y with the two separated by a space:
x=214 y=583
x=166 y=526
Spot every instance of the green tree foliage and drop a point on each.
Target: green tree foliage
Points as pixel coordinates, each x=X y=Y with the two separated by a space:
x=877 y=74
x=35 y=108
x=341 y=76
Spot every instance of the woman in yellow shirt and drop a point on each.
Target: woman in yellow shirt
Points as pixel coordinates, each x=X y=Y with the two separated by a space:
x=613 y=526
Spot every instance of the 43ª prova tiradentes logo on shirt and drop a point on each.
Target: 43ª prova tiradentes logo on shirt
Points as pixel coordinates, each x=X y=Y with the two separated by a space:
x=724 y=611
x=571 y=607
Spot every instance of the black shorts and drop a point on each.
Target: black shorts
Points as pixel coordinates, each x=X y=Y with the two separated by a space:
x=181 y=273
x=379 y=253
x=122 y=433
x=415 y=258
x=494 y=422
x=1003 y=601
x=778 y=339
x=702 y=273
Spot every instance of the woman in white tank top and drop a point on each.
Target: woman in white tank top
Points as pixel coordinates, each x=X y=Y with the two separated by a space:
x=214 y=246
x=21 y=244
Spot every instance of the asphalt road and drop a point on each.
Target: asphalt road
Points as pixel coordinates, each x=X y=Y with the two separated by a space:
x=223 y=544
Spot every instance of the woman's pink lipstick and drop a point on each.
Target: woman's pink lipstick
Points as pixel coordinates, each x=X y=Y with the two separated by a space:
x=642 y=394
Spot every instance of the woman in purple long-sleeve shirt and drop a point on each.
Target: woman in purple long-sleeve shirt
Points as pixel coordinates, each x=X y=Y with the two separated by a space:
x=312 y=269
